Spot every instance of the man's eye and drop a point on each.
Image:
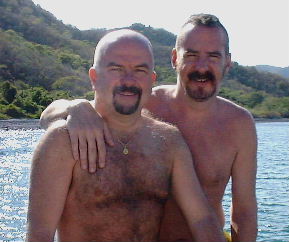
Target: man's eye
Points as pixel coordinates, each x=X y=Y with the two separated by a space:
x=214 y=56
x=115 y=69
x=141 y=70
x=191 y=55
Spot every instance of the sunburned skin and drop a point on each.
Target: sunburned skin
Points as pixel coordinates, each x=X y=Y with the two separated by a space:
x=124 y=201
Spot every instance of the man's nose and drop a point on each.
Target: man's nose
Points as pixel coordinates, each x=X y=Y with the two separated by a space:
x=128 y=78
x=202 y=64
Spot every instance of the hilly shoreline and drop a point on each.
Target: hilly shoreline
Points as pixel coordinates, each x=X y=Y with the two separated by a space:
x=42 y=59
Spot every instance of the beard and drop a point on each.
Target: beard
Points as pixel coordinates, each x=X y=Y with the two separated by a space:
x=122 y=109
x=200 y=93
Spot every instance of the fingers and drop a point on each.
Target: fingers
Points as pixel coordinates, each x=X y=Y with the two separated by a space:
x=101 y=151
x=88 y=133
x=92 y=155
x=107 y=135
x=89 y=150
x=90 y=147
x=92 y=152
x=74 y=145
x=83 y=152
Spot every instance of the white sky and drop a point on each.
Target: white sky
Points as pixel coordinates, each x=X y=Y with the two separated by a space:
x=258 y=29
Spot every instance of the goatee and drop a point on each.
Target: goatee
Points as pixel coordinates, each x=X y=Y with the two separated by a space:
x=122 y=109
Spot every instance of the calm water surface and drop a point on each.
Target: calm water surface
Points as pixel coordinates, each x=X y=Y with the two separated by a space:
x=17 y=145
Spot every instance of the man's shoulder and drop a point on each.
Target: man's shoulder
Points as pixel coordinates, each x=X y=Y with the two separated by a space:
x=57 y=130
x=235 y=114
x=55 y=140
x=161 y=128
x=53 y=155
x=233 y=110
x=170 y=137
x=160 y=100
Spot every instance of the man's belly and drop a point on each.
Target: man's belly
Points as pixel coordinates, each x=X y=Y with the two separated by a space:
x=129 y=220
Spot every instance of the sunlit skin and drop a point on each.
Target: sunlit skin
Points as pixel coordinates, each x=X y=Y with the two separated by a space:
x=125 y=200
x=202 y=51
x=220 y=134
x=210 y=127
x=128 y=78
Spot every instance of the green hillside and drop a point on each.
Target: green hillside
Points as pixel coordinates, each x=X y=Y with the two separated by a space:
x=42 y=59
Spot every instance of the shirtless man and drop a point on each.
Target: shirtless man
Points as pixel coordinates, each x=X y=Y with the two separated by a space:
x=220 y=134
x=125 y=200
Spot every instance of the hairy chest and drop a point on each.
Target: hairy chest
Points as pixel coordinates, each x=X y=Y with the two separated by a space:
x=126 y=179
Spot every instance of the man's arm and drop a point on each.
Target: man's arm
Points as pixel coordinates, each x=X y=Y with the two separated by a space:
x=57 y=110
x=51 y=175
x=87 y=130
x=188 y=193
x=244 y=205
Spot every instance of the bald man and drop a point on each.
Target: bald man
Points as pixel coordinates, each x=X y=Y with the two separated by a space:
x=125 y=200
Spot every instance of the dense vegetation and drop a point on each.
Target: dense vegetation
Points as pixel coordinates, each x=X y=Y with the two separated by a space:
x=41 y=60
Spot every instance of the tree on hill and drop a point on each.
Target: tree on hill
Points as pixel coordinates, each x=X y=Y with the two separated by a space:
x=8 y=91
x=251 y=77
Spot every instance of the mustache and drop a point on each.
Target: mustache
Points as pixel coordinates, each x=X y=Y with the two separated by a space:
x=124 y=88
x=193 y=76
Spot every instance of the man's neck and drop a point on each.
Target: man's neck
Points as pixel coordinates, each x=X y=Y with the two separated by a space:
x=193 y=107
x=123 y=125
x=119 y=124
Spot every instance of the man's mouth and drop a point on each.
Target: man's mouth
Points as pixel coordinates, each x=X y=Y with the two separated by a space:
x=201 y=80
x=201 y=77
x=127 y=93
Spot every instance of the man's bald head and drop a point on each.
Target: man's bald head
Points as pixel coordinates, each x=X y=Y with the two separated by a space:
x=120 y=36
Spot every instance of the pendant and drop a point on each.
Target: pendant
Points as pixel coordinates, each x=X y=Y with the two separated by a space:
x=125 y=150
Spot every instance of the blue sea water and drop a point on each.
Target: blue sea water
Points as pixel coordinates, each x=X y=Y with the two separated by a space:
x=17 y=145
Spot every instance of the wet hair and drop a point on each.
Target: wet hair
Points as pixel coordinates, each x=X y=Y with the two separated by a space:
x=205 y=20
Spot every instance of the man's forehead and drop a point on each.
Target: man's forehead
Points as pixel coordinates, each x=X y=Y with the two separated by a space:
x=125 y=58
x=135 y=64
x=191 y=31
x=122 y=37
x=126 y=44
x=196 y=36
x=127 y=50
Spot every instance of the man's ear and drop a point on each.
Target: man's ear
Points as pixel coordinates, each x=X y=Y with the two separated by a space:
x=174 y=58
x=228 y=63
x=154 y=77
x=93 y=77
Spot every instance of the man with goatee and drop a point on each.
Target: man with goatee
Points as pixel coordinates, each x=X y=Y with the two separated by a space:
x=150 y=161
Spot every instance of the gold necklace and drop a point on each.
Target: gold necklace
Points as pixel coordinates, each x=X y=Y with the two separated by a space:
x=124 y=145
